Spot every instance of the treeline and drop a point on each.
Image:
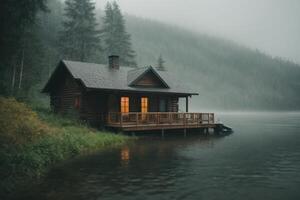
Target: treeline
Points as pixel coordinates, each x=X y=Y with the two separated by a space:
x=36 y=34
x=227 y=76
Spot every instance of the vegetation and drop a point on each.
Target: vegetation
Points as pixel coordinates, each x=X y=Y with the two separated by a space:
x=45 y=32
x=226 y=75
x=32 y=141
x=18 y=27
x=80 y=38
x=116 y=39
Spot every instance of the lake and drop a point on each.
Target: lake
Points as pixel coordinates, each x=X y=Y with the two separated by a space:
x=260 y=160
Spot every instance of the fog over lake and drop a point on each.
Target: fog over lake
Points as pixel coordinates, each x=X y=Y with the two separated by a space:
x=150 y=99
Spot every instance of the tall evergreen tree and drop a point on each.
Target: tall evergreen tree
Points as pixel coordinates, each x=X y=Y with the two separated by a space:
x=16 y=17
x=116 y=39
x=161 y=63
x=80 y=38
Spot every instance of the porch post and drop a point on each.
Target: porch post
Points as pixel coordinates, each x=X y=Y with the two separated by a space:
x=187 y=104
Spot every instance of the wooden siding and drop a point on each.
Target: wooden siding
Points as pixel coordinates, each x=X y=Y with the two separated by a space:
x=62 y=100
x=173 y=104
x=95 y=105
x=94 y=108
x=113 y=103
x=135 y=102
x=149 y=80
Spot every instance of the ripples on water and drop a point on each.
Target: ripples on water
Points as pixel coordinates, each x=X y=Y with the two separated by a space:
x=261 y=160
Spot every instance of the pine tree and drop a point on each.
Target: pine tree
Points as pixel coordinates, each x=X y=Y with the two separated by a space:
x=161 y=63
x=15 y=18
x=116 y=39
x=80 y=38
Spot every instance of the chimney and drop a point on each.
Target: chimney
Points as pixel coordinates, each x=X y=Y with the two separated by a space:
x=113 y=62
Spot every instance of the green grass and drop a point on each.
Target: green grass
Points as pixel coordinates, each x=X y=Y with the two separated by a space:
x=27 y=153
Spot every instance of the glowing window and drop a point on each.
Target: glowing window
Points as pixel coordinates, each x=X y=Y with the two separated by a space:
x=124 y=104
x=144 y=104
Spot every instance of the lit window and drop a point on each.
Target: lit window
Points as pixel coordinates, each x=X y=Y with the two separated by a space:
x=144 y=104
x=124 y=104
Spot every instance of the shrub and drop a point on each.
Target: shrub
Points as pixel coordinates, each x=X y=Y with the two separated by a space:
x=31 y=142
x=18 y=123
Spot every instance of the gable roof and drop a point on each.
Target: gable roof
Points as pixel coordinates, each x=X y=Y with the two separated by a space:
x=135 y=75
x=98 y=76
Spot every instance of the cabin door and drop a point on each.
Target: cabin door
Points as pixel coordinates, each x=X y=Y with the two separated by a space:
x=144 y=107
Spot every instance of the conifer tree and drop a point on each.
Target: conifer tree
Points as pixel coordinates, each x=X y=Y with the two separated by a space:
x=161 y=63
x=16 y=17
x=79 y=39
x=116 y=39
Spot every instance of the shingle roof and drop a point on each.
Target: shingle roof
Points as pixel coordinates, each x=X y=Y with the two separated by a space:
x=98 y=76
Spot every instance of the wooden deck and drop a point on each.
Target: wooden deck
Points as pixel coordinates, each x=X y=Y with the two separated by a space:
x=136 y=121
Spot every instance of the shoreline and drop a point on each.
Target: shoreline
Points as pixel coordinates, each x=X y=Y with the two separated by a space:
x=33 y=141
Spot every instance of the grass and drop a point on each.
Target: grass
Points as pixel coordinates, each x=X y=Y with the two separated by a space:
x=33 y=141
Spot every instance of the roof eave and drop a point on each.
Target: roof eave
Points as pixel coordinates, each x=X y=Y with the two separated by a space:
x=139 y=91
x=62 y=62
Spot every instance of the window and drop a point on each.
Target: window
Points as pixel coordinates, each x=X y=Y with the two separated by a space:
x=162 y=105
x=77 y=102
x=144 y=104
x=124 y=104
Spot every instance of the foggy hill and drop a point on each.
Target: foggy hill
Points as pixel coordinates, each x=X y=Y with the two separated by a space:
x=226 y=75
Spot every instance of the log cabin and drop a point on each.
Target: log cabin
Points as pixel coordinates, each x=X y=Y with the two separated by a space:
x=125 y=98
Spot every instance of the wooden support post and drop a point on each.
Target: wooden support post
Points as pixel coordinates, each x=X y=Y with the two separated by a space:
x=186 y=104
x=184 y=131
x=162 y=133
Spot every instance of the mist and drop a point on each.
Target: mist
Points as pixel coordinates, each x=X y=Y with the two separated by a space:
x=272 y=26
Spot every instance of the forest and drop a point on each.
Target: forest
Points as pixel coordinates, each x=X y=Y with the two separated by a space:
x=227 y=76
x=36 y=34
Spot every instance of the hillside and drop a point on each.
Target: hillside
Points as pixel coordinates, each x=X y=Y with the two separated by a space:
x=226 y=75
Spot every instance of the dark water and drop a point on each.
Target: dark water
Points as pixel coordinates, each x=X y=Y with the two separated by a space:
x=260 y=160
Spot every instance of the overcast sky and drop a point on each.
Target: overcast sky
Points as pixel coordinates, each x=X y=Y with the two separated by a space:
x=272 y=26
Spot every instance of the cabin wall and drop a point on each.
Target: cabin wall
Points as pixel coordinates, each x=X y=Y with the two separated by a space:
x=94 y=108
x=62 y=100
x=149 y=80
x=153 y=102
x=173 y=104
x=113 y=103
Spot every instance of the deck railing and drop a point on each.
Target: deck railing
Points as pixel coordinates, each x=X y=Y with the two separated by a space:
x=159 y=118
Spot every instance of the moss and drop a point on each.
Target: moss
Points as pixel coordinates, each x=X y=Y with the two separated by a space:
x=32 y=141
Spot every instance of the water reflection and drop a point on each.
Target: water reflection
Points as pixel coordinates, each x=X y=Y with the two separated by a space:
x=256 y=162
x=125 y=156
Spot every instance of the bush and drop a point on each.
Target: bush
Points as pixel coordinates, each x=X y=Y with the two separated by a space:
x=30 y=142
x=18 y=123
